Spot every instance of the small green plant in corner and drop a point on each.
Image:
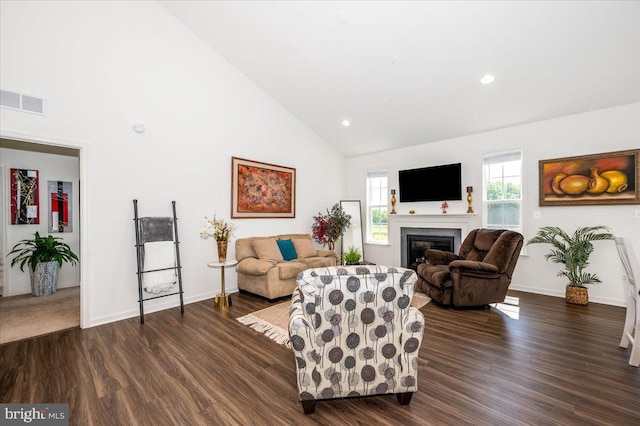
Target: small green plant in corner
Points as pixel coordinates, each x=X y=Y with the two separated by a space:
x=41 y=250
x=572 y=251
x=352 y=257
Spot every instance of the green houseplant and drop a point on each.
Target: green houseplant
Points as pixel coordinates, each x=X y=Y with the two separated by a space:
x=573 y=252
x=43 y=255
x=352 y=257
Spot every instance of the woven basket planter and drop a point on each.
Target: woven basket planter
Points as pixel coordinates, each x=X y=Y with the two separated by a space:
x=577 y=295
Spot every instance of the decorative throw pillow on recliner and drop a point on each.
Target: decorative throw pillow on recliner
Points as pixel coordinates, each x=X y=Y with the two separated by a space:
x=267 y=248
x=287 y=250
x=304 y=247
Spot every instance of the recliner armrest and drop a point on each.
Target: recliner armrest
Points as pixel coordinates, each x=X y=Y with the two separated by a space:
x=253 y=266
x=439 y=257
x=468 y=267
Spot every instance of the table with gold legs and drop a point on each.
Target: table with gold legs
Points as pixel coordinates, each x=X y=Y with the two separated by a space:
x=222 y=300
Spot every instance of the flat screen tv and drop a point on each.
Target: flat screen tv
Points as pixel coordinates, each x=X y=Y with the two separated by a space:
x=437 y=183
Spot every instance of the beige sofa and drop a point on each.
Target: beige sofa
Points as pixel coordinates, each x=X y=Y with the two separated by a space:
x=262 y=269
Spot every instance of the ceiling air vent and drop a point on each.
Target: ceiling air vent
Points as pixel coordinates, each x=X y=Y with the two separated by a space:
x=21 y=102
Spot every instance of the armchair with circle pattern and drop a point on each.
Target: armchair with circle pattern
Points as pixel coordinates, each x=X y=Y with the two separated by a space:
x=354 y=333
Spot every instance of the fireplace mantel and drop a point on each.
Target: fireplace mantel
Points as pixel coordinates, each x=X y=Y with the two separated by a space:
x=463 y=221
x=433 y=215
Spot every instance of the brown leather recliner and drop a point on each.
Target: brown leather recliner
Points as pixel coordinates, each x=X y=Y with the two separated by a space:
x=478 y=276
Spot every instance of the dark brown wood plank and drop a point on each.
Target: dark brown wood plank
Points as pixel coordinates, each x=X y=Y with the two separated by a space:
x=555 y=364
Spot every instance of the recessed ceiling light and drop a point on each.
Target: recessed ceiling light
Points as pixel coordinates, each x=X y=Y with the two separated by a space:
x=346 y=123
x=487 y=79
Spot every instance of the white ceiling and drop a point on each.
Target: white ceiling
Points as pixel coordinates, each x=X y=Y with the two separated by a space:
x=407 y=73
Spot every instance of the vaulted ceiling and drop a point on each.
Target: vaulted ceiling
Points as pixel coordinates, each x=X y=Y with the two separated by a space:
x=408 y=73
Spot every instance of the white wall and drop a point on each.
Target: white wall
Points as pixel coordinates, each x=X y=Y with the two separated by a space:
x=595 y=132
x=50 y=167
x=102 y=65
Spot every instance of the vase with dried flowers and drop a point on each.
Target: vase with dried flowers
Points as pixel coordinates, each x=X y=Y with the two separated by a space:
x=327 y=228
x=221 y=231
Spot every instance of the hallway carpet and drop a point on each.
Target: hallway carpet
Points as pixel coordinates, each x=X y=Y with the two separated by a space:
x=25 y=316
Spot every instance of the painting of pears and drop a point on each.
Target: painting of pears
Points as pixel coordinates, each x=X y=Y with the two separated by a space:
x=593 y=179
x=612 y=181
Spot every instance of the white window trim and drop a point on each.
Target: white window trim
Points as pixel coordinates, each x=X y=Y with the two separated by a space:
x=369 y=207
x=524 y=193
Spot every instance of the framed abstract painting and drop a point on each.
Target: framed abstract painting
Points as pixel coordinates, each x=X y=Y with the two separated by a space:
x=262 y=190
x=25 y=206
x=599 y=179
x=60 y=197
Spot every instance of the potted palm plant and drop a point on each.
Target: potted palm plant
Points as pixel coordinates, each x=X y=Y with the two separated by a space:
x=43 y=255
x=573 y=252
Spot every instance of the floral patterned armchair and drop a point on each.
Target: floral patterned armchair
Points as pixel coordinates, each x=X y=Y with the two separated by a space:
x=354 y=333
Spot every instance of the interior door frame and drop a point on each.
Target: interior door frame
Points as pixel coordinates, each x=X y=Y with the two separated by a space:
x=3 y=227
x=85 y=286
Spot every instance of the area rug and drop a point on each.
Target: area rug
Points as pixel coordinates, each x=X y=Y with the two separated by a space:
x=274 y=320
x=25 y=316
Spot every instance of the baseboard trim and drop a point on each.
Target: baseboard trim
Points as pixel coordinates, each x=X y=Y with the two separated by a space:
x=602 y=300
x=169 y=302
x=173 y=302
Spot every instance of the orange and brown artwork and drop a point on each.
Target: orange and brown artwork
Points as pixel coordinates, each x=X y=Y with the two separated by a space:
x=592 y=179
x=262 y=190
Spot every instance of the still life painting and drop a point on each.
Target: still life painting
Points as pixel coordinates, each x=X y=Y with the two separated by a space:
x=262 y=190
x=609 y=178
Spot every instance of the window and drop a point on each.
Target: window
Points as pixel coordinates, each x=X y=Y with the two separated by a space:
x=502 y=190
x=377 y=207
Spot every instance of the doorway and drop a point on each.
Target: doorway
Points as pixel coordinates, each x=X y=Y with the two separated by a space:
x=56 y=161
x=3 y=222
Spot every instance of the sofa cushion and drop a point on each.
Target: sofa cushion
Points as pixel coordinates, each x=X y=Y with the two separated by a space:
x=287 y=250
x=292 y=236
x=304 y=247
x=267 y=248
x=253 y=266
x=290 y=269
x=244 y=247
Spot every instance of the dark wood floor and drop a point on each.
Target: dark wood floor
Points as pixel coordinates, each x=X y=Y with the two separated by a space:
x=557 y=364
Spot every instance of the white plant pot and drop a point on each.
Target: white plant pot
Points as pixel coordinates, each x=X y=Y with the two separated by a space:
x=44 y=280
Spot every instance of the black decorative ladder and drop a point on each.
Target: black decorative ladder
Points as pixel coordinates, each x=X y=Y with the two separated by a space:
x=155 y=229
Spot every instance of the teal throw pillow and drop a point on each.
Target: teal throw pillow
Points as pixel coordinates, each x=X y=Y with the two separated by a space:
x=287 y=249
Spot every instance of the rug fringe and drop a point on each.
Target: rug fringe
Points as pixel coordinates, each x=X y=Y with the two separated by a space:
x=424 y=299
x=273 y=332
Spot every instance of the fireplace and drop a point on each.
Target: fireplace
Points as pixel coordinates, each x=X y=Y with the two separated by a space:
x=414 y=241
x=417 y=244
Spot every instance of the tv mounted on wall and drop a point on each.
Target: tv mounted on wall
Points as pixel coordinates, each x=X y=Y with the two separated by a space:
x=437 y=183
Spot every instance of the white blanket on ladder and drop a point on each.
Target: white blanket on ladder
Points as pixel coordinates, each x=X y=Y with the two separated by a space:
x=159 y=255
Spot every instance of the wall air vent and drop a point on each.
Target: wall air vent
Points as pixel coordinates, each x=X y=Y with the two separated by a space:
x=21 y=102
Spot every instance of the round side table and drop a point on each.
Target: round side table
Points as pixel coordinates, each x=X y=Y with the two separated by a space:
x=222 y=300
